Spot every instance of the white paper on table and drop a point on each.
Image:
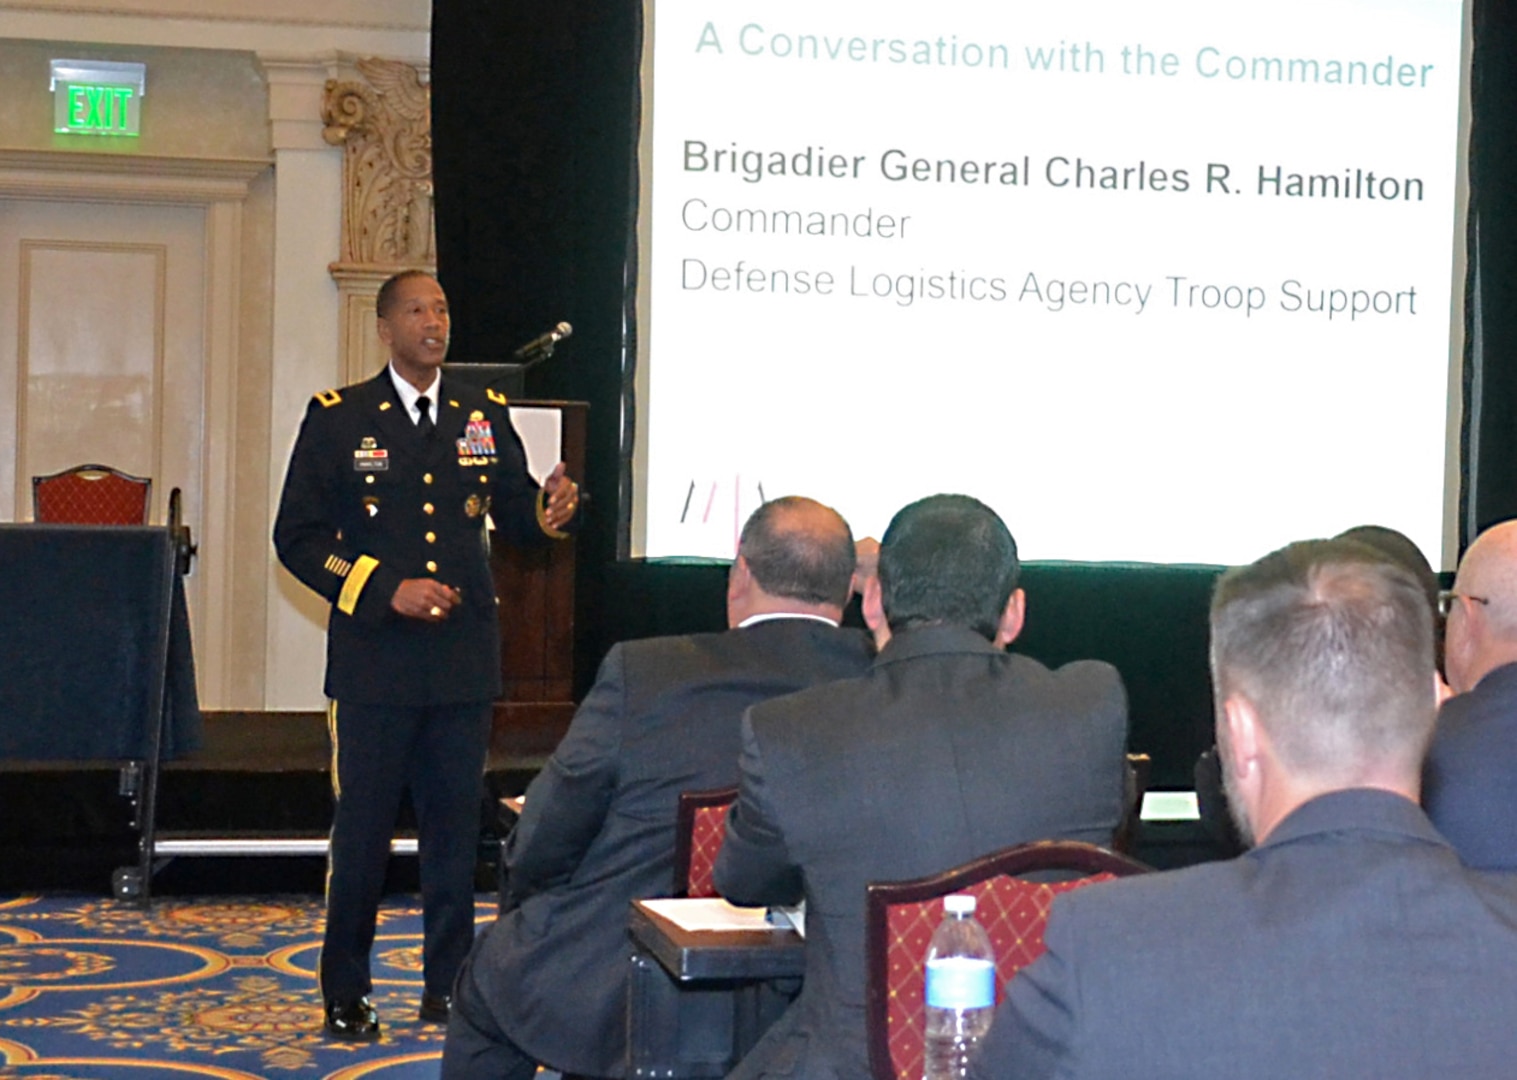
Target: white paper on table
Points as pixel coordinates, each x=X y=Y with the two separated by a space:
x=791 y=916
x=1170 y=806
x=709 y=913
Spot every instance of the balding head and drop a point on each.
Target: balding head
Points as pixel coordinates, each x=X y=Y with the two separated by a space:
x=795 y=556
x=1482 y=622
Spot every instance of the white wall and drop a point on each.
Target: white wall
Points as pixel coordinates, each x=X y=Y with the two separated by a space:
x=237 y=80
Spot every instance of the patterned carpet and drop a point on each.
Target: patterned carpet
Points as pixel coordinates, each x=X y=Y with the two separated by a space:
x=90 y=988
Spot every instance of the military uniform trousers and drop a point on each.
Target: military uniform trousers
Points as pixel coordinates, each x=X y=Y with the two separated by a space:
x=377 y=752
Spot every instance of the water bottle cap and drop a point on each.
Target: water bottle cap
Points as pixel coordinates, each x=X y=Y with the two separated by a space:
x=959 y=904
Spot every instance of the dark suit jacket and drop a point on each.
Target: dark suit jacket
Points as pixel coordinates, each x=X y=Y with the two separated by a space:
x=1350 y=944
x=946 y=750
x=1469 y=784
x=369 y=502
x=597 y=831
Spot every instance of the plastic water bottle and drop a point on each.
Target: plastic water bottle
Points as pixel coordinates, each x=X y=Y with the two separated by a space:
x=961 y=990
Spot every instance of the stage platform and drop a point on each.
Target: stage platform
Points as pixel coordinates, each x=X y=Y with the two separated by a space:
x=257 y=776
x=266 y=777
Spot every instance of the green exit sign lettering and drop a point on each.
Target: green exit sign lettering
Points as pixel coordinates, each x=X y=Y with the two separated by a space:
x=97 y=97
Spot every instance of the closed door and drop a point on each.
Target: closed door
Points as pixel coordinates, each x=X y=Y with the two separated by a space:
x=105 y=305
x=102 y=317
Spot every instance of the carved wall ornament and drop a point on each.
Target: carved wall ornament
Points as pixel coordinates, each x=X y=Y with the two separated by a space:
x=384 y=124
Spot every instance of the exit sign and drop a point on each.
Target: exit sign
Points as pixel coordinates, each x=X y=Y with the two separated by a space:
x=97 y=97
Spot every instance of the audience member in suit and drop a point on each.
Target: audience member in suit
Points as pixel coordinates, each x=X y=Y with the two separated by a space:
x=1211 y=799
x=547 y=982
x=1350 y=942
x=947 y=749
x=1470 y=779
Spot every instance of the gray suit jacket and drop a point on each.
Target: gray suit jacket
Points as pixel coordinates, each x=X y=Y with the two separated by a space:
x=1469 y=784
x=598 y=828
x=948 y=749
x=1351 y=944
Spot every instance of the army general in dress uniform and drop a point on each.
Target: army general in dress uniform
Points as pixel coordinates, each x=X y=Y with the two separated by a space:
x=383 y=513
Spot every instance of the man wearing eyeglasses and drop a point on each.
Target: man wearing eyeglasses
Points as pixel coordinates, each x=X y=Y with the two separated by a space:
x=1469 y=784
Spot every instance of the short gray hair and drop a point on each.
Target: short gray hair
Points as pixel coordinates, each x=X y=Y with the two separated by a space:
x=1333 y=644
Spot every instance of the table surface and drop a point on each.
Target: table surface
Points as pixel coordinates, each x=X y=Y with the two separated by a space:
x=690 y=955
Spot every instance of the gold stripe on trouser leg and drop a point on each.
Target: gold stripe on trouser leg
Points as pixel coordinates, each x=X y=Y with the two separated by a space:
x=332 y=739
x=326 y=889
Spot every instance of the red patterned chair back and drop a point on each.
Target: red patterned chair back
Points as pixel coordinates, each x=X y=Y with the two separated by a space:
x=699 y=828
x=900 y=917
x=91 y=495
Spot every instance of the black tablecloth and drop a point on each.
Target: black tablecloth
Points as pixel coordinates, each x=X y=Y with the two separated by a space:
x=81 y=622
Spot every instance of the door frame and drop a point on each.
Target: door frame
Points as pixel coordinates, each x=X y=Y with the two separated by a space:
x=219 y=187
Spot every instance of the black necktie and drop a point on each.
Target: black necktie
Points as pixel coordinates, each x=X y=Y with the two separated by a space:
x=424 y=424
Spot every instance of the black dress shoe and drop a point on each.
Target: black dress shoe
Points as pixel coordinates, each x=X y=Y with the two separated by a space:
x=434 y=1008
x=352 y=1020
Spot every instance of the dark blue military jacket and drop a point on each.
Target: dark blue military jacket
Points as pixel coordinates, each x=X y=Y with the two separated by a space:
x=369 y=501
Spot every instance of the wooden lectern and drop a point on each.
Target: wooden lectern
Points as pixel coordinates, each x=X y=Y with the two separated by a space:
x=536 y=590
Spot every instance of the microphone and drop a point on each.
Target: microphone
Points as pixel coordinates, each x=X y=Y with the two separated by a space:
x=541 y=346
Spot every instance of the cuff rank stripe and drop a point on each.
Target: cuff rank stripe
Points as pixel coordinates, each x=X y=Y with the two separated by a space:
x=352 y=588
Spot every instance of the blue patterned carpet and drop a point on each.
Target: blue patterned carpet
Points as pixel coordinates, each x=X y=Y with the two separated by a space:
x=90 y=988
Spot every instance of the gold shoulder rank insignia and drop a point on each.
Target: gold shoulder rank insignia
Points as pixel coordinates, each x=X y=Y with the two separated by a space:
x=496 y=396
x=328 y=398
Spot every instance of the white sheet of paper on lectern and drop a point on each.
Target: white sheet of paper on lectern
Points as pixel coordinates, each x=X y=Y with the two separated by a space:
x=542 y=433
x=542 y=436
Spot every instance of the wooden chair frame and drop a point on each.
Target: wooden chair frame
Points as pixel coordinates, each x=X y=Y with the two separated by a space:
x=1139 y=766
x=1044 y=856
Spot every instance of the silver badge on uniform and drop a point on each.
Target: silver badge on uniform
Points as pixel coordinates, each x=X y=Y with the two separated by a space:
x=369 y=457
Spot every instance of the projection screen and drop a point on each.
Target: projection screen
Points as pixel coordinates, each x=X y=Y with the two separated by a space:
x=1159 y=280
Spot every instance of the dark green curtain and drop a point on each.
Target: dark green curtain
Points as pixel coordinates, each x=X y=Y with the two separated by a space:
x=534 y=125
x=1490 y=378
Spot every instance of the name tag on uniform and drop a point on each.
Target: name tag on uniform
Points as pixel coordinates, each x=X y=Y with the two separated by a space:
x=371 y=460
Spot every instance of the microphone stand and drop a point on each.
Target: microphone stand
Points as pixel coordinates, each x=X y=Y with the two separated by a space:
x=529 y=357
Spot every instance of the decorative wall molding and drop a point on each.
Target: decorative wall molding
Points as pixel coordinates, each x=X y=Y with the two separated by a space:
x=383 y=121
x=357 y=342
x=41 y=174
x=384 y=124
x=297 y=84
x=401 y=15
